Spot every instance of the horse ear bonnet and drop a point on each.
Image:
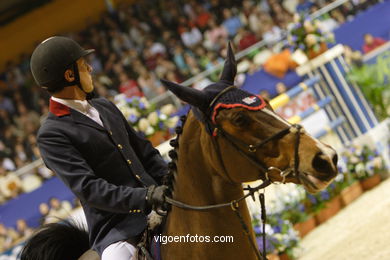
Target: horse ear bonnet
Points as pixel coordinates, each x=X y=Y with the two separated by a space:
x=232 y=98
x=236 y=98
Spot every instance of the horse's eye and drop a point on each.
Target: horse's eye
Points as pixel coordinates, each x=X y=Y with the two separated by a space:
x=240 y=119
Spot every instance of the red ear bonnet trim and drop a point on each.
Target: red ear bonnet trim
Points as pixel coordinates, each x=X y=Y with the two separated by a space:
x=250 y=102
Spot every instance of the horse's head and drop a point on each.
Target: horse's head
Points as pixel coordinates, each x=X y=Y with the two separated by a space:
x=254 y=137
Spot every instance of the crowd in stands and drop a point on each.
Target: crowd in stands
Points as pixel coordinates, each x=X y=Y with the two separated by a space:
x=51 y=212
x=138 y=44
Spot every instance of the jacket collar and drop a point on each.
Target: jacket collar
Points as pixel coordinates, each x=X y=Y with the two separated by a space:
x=58 y=109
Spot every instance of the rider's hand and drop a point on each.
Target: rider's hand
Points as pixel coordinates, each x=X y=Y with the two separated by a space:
x=155 y=196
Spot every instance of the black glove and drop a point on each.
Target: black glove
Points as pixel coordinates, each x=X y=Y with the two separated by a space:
x=155 y=196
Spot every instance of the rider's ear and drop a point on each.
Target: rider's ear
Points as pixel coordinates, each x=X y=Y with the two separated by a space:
x=69 y=75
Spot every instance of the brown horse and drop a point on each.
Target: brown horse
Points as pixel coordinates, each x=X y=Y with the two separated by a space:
x=217 y=152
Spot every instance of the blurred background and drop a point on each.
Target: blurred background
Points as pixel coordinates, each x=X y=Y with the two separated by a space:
x=139 y=42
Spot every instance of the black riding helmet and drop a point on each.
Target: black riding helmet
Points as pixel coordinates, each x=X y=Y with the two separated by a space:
x=51 y=58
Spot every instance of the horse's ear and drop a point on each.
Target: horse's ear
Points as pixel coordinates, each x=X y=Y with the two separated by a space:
x=190 y=95
x=230 y=68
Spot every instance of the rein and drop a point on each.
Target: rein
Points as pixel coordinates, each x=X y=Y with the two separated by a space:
x=251 y=148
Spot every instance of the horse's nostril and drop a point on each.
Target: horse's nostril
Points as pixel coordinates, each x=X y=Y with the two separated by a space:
x=335 y=159
x=322 y=163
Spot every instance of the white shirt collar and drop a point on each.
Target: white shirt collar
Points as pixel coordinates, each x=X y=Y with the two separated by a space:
x=80 y=105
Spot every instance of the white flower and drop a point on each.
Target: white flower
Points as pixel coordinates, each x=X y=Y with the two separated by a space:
x=339 y=177
x=145 y=101
x=143 y=124
x=268 y=229
x=330 y=36
x=296 y=18
x=172 y=122
x=378 y=162
x=153 y=118
x=318 y=24
x=149 y=131
x=309 y=28
x=125 y=110
x=120 y=99
x=163 y=117
x=360 y=168
x=354 y=159
x=311 y=39
x=167 y=109
x=133 y=111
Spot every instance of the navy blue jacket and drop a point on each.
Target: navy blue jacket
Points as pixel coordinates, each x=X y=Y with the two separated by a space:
x=108 y=168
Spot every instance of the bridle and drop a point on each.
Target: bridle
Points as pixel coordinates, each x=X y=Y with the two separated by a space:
x=243 y=148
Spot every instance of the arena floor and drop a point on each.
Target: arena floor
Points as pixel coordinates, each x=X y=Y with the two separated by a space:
x=360 y=231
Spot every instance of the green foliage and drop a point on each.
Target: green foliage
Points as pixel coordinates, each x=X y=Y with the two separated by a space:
x=373 y=80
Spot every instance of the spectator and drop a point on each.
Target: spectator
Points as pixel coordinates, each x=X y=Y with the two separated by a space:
x=231 y=23
x=265 y=94
x=192 y=63
x=156 y=48
x=44 y=211
x=304 y=6
x=280 y=88
x=256 y=19
x=23 y=229
x=245 y=38
x=202 y=17
x=6 y=240
x=6 y=104
x=178 y=58
x=213 y=34
x=272 y=33
x=149 y=83
x=371 y=42
x=129 y=87
x=191 y=36
x=163 y=67
x=58 y=210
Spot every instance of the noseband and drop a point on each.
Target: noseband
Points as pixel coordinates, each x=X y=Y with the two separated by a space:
x=244 y=148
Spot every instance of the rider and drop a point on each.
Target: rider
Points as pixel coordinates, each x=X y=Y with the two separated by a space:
x=115 y=173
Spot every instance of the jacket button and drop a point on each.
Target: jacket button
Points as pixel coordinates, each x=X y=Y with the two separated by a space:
x=120 y=146
x=110 y=132
x=138 y=210
x=128 y=162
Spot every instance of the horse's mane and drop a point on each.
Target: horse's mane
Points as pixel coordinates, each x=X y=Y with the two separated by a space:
x=54 y=241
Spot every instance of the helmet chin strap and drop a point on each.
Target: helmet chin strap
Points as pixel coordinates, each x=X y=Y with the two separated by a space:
x=77 y=82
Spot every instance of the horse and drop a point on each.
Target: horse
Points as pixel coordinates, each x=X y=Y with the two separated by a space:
x=228 y=138
x=231 y=137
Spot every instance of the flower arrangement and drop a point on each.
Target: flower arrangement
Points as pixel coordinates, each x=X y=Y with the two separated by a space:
x=144 y=117
x=290 y=205
x=280 y=235
x=306 y=35
x=362 y=162
x=282 y=212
